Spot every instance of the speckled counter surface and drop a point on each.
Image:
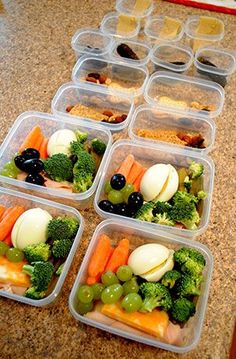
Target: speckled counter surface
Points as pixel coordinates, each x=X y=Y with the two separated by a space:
x=35 y=59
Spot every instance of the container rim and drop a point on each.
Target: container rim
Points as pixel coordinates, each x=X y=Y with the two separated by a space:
x=165 y=235
x=120 y=7
x=57 y=193
x=141 y=62
x=194 y=18
x=112 y=15
x=52 y=296
x=159 y=18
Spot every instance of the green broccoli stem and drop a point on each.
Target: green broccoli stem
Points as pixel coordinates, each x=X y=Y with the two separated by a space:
x=28 y=269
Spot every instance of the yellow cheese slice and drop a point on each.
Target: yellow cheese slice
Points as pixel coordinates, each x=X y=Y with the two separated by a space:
x=126 y=24
x=11 y=273
x=141 y=6
x=171 y=28
x=209 y=26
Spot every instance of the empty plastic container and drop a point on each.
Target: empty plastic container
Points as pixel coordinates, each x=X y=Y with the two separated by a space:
x=176 y=58
x=151 y=119
x=109 y=26
x=11 y=198
x=91 y=42
x=141 y=49
x=149 y=154
x=197 y=39
x=138 y=235
x=215 y=64
x=50 y=124
x=155 y=29
x=100 y=100
x=121 y=77
x=186 y=94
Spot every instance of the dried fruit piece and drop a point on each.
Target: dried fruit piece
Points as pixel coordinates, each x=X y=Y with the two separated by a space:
x=107 y=113
x=95 y=75
x=91 y=79
x=102 y=79
x=125 y=51
x=69 y=108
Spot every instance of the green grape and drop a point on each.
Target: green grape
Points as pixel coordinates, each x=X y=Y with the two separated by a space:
x=131 y=286
x=83 y=308
x=3 y=248
x=115 y=197
x=112 y=294
x=7 y=173
x=107 y=187
x=109 y=278
x=97 y=290
x=10 y=170
x=14 y=255
x=126 y=191
x=85 y=294
x=124 y=273
x=131 y=302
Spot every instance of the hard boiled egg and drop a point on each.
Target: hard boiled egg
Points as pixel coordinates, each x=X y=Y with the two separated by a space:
x=30 y=228
x=151 y=261
x=153 y=181
x=60 y=141
x=170 y=187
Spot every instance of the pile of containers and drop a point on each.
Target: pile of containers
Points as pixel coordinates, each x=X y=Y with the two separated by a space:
x=143 y=73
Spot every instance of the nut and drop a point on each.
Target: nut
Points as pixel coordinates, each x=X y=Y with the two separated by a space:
x=108 y=81
x=69 y=108
x=91 y=79
x=107 y=113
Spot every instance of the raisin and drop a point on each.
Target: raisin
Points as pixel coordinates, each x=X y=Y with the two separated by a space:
x=125 y=51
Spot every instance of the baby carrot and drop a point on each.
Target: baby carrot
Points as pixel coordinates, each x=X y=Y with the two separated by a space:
x=126 y=165
x=100 y=256
x=43 y=149
x=31 y=138
x=138 y=180
x=9 y=220
x=119 y=257
x=38 y=143
x=2 y=210
x=8 y=241
x=135 y=171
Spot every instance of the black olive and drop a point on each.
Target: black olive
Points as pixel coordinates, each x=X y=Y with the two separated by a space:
x=30 y=153
x=19 y=162
x=35 y=178
x=33 y=166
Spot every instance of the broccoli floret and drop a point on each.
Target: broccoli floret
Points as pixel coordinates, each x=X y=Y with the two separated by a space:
x=62 y=227
x=155 y=295
x=59 y=167
x=190 y=261
x=195 y=169
x=85 y=163
x=170 y=277
x=163 y=219
x=60 y=269
x=184 y=197
x=201 y=195
x=61 y=248
x=161 y=207
x=37 y=252
x=81 y=136
x=188 y=183
x=188 y=286
x=41 y=274
x=145 y=212
x=33 y=293
x=82 y=181
x=184 y=210
x=76 y=147
x=98 y=146
x=182 y=309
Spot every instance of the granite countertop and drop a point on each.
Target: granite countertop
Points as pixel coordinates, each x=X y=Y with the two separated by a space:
x=35 y=59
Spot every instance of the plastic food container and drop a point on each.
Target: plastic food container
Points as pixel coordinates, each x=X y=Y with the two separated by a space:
x=176 y=58
x=138 y=235
x=149 y=154
x=141 y=49
x=198 y=40
x=91 y=41
x=50 y=124
x=215 y=64
x=148 y=117
x=122 y=77
x=128 y=7
x=11 y=198
x=154 y=26
x=72 y=94
x=186 y=94
x=109 y=26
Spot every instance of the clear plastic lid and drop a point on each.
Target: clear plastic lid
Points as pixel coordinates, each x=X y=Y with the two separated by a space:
x=177 y=58
x=164 y=28
x=137 y=8
x=189 y=95
x=191 y=28
x=91 y=41
x=140 y=49
x=110 y=23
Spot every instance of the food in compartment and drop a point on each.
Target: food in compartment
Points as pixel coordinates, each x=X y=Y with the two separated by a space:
x=103 y=115
x=190 y=139
x=34 y=244
x=150 y=287
x=67 y=161
x=220 y=79
x=125 y=51
x=141 y=6
x=126 y=24
x=171 y=28
x=168 y=101
x=162 y=194
x=208 y=26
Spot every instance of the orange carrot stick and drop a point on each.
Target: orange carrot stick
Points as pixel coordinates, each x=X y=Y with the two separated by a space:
x=138 y=180
x=43 y=149
x=9 y=220
x=119 y=257
x=8 y=241
x=100 y=256
x=38 y=143
x=126 y=165
x=135 y=171
x=31 y=138
x=93 y=280
x=2 y=210
x=7 y=210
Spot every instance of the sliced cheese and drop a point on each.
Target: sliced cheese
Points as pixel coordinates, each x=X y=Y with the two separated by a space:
x=126 y=24
x=171 y=28
x=154 y=323
x=11 y=273
x=141 y=6
x=209 y=26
